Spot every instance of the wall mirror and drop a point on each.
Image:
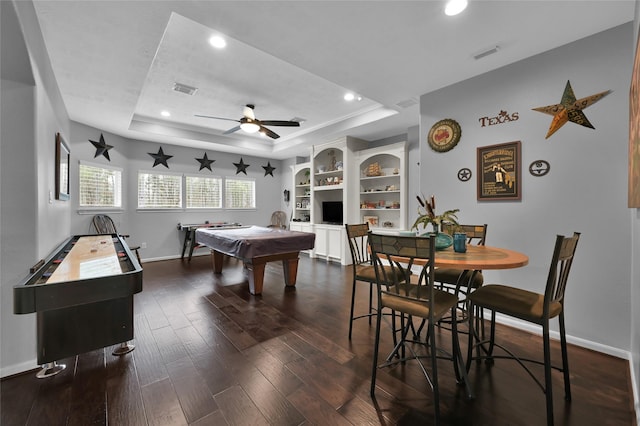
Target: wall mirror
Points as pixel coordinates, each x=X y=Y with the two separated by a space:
x=63 y=158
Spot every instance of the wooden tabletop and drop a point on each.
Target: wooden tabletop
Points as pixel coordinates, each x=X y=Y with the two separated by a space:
x=91 y=256
x=481 y=257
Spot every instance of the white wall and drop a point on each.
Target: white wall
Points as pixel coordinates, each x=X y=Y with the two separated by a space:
x=158 y=229
x=585 y=190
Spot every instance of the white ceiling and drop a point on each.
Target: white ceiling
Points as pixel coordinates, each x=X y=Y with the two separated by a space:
x=116 y=62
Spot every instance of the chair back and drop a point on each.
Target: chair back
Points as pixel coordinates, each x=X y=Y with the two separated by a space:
x=475 y=233
x=561 y=261
x=278 y=220
x=103 y=224
x=399 y=254
x=358 y=237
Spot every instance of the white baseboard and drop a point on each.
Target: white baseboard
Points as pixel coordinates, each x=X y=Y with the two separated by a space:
x=10 y=370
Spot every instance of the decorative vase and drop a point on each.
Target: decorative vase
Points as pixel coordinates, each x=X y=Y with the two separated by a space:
x=443 y=240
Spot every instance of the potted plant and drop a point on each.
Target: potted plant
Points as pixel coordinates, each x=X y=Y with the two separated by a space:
x=428 y=216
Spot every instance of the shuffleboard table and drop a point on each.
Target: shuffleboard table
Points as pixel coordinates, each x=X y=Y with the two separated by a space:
x=83 y=297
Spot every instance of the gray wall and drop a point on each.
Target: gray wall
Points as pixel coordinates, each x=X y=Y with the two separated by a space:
x=585 y=191
x=158 y=229
x=32 y=223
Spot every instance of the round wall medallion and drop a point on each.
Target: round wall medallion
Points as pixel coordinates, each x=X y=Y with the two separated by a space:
x=464 y=174
x=539 y=168
x=444 y=135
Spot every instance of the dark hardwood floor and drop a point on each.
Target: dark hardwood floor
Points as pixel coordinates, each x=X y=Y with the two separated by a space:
x=209 y=353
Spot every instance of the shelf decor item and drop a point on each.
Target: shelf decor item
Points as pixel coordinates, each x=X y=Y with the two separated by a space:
x=371 y=220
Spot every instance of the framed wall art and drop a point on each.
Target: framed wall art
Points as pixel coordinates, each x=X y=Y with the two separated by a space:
x=499 y=172
x=634 y=132
x=63 y=158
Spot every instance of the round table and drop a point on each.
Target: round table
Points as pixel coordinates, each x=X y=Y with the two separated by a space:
x=481 y=257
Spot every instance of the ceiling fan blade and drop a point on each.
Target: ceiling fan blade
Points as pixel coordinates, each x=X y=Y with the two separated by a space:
x=234 y=129
x=280 y=123
x=268 y=132
x=216 y=118
x=248 y=112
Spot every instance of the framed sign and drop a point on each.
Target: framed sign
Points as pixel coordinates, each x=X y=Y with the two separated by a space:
x=444 y=135
x=63 y=156
x=499 y=172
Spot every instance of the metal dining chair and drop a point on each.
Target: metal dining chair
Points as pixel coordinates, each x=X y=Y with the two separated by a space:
x=413 y=295
x=532 y=307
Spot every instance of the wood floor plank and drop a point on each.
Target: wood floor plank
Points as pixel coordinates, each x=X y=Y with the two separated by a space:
x=162 y=405
x=273 y=369
x=195 y=397
x=124 y=397
x=150 y=366
x=88 y=405
x=315 y=409
x=238 y=409
x=169 y=345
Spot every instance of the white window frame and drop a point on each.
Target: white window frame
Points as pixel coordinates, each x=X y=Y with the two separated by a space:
x=227 y=198
x=187 y=188
x=160 y=208
x=118 y=191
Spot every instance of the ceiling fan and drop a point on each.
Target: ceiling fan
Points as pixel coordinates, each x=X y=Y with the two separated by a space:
x=250 y=124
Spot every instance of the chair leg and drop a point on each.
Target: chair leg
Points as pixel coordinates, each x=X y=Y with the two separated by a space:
x=353 y=299
x=458 y=362
x=565 y=358
x=370 y=300
x=434 y=373
x=547 y=372
x=376 y=348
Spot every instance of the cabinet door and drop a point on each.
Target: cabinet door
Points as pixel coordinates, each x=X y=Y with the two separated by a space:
x=334 y=237
x=322 y=242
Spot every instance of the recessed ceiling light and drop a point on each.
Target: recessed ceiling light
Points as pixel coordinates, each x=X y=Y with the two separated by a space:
x=218 y=42
x=165 y=114
x=454 y=7
x=351 y=97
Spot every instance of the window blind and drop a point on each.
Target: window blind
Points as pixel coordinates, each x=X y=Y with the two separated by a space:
x=159 y=190
x=100 y=186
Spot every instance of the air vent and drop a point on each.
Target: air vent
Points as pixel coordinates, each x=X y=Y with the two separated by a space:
x=486 y=52
x=184 y=88
x=407 y=103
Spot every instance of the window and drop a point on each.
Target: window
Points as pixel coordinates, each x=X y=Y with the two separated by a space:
x=159 y=191
x=240 y=193
x=100 y=186
x=203 y=192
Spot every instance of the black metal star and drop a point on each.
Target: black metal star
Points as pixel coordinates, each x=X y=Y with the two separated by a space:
x=205 y=163
x=160 y=158
x=101 y=147
x=241 y=167
x=268 y=169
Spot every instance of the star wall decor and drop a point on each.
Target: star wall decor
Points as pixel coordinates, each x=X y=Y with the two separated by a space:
x=160 y=158
x=570 y=109
x=268 y=169
x=205 y=163
x=241 y=167
x=102 y=148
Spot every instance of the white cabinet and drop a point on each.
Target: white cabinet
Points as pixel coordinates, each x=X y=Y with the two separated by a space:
x=303 y=227
x=331 y=243
x=334 y=200
x=382 y=192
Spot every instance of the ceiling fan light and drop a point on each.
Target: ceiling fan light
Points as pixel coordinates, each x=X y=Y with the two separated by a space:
x=249 y=127
x=454 y=7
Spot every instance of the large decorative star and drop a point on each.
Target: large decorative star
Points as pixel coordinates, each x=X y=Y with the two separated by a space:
x=241 y=167
x=268 y=169
x=570 y=109
x=160 y=158
x=205 y=163
x=101 y=147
